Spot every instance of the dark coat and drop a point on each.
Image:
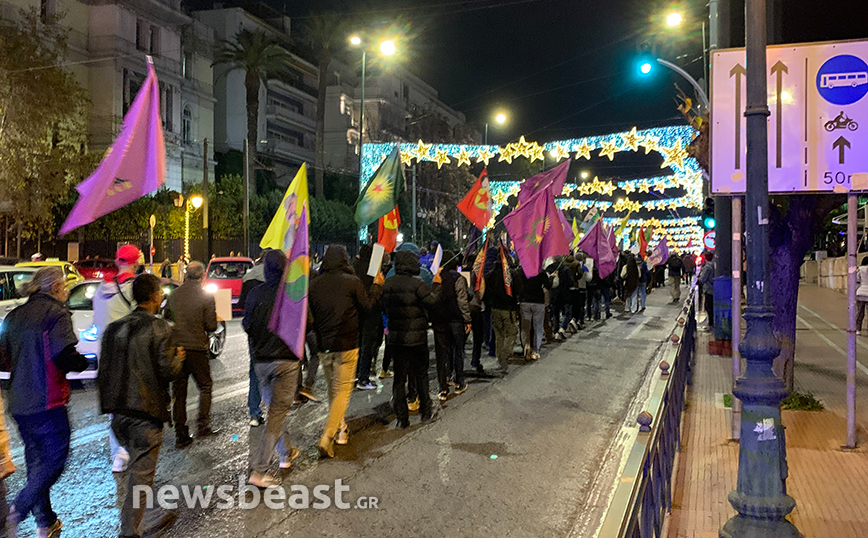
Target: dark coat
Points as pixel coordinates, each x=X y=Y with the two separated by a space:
x=336 y=297
x=194 y=313
x=267 y=346
x=531 y=290
x=137 y=364
x=495 y=296
x=631 y=281
x=406 y=298
x=37 y=343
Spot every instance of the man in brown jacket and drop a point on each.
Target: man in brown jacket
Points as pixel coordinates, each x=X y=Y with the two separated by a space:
x=194 y=312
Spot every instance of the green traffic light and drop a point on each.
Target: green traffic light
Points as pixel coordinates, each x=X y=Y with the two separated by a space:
x=709 y=223
x=645 y=68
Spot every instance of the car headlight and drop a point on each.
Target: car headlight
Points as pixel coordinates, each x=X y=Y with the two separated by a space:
x=211 y=288
x=91 y=334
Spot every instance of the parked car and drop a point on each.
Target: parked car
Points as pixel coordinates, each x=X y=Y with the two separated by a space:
x=97 y=269
x=72 y=275
x=226 y=273
x=12 y=283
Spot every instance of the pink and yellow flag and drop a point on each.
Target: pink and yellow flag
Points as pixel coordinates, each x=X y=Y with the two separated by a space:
x=133 y=167
x=289 y=316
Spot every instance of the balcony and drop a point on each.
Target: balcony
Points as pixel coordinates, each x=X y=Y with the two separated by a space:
x=288 y=150
x=288 y=115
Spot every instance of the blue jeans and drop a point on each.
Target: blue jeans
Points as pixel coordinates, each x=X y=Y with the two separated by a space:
x=254 y=398
x=532 y=316
x=46 y=448
x=643 y=294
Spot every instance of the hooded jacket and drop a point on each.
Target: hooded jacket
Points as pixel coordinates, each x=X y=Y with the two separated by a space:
x=371 y=322
x=137 y=364
x=113 y=300
x=266 y=345
x=405 y=300
x=38 y=343
x=531 y=290
x=495 y=296
x=424 y=273
x=335 y=298
x=250 y=280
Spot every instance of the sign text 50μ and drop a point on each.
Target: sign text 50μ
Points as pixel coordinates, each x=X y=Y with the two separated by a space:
x=818 y=127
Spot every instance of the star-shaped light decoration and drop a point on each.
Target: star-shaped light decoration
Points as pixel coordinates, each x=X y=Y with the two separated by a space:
x=631 y=140
x=536 y=153
x=441 y=157
x=523 y=147
x=463 y=156
x=585 y=189
x=559 y=152
x=500 y=197
x=584 y=150
x=407 y=157
x=608 y=150
x=422 y=151
x=485 y=155
x=607 y=188
x=674 y=156
x=660 y=186
x=650 y=143
x=644 y=186
x=507 y=154
x=629 y=187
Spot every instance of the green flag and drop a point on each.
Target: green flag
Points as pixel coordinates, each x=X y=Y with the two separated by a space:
x=381 y=193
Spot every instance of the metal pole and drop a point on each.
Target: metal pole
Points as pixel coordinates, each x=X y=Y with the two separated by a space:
x=414 y=204
x=206 y=189
x=246 y=190
x=187 y=230
x=852 y=239
x=361 y=136
x=736 y=310
x=760 y=498
x=486 y=133
x=704 y=56
x=700 y=92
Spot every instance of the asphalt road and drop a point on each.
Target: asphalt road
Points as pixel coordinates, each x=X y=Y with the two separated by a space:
x=532 y=454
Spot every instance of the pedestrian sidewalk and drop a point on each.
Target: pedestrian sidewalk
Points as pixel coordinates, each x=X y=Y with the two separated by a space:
x=827 y=482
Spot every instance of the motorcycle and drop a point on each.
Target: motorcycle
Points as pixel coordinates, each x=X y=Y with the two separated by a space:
x=841 y=122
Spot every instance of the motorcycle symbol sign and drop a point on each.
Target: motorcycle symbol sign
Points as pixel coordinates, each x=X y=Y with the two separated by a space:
x=841 y=121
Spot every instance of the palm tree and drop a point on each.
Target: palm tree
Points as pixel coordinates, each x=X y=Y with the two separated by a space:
x=326 y=33
x=261 y=57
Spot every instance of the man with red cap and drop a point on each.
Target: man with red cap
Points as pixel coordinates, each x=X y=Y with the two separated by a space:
x=112 y=301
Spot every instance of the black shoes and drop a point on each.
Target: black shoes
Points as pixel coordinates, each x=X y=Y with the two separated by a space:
x=183 y=442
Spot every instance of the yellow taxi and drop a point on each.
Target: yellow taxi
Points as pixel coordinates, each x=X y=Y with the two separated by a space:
x=72 y=275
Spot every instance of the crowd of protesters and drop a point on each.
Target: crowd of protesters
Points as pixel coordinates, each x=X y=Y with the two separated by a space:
x=152 y=345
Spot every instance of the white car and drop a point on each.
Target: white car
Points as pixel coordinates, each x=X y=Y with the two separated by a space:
x=12 y=283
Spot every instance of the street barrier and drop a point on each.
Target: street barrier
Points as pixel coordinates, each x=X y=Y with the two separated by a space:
x=643 y=495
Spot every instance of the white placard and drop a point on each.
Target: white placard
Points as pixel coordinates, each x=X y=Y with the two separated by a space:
x=818 y=127
x=589 y=263
x=438 y=259
x=376 y=259
x=223 y=299
x=466 y=275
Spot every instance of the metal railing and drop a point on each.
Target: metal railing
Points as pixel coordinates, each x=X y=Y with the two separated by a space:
x=643 y=495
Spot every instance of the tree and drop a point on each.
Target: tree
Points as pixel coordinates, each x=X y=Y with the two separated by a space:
x=262 y=58
x=325 y=31
x=43 y=122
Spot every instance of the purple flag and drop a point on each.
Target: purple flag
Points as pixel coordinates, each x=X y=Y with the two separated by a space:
x=133 y=167
x=598 y=245
x=660 y=254
x=554 y=178
x=536 y=230
x=289 y=316
x=568 y=229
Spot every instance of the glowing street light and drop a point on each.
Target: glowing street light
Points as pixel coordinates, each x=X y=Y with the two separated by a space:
x=355 y=40
x=193 y=203
x=674 y=19
x=388 y=48
x=500 y=118
x=585 y=174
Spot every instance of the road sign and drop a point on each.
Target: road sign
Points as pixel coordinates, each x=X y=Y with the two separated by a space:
x=708 y=240
x=818 y=127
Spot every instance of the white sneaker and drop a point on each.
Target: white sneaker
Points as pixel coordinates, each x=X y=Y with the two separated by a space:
x=343 y=435
x=858 y=332
x=286 y=461
x=121 y=461
x=262 y=480
x=562 y=333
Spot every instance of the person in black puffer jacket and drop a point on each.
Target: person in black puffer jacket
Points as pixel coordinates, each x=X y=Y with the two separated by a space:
x=370 y=324
x=405 y=299
x=450 y=320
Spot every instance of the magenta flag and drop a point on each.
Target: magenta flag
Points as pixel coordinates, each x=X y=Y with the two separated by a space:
x=554 y=178
x=289 y=315
x=537 y=232
x=660 y=254
x=598 y=245
x=133 y=167
x=568 y=229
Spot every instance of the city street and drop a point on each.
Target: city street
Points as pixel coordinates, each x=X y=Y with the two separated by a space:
x=533 y=454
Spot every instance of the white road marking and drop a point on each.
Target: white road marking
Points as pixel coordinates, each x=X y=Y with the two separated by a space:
x=831 y=344
x=444 y=456
x=862 y=344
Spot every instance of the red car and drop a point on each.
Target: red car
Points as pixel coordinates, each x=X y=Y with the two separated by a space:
x=97 y=269
x=226 y=273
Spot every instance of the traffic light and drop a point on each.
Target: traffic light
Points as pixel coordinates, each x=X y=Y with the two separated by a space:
x=708 y=214
x=646 y=58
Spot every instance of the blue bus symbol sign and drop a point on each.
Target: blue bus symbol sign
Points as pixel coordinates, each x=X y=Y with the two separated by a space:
x=843 y=80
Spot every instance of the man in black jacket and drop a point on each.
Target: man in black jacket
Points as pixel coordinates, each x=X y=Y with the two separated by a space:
x=194 y=312
x=405 y=300
x=336 y=297
x=138 y=362
x=450 y=320
x=504 y=317
x=277 y=370
x=532 y=302
x=370 y=325
x=676 y=269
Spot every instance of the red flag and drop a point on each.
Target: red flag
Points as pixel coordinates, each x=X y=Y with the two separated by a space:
x=479 y=267
x=388 y=236
x=507 y=276
x=643 y=242
x=476 y=205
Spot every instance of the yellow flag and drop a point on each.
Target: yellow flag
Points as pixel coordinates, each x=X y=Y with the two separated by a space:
x=576 y=237
x=624 y=223
x=281 y=231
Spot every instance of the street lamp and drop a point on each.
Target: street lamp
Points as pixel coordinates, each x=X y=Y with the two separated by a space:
x=500 y=118
x=674 y=19
x=585 y=174
x=193 y=203
x=388 y=47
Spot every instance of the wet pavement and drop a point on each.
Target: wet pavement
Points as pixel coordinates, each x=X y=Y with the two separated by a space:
x=527 y=455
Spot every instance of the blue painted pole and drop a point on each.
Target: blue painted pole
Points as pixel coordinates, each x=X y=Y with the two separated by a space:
x=760 y=498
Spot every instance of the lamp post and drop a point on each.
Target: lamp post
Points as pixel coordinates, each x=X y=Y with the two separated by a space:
x=499 y=118
x=193 y=202
x=760 y=498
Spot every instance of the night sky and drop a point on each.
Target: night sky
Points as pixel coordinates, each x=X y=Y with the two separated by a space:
x=566 y=68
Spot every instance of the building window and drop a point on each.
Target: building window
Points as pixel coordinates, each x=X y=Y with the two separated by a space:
x=187 y=66
x=154 y=47
x=187 y=126
x=140 y=35
x=47 y=11
x=167 y=96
